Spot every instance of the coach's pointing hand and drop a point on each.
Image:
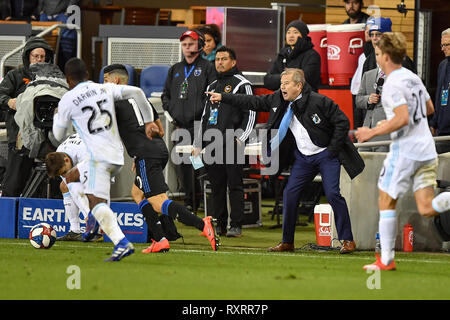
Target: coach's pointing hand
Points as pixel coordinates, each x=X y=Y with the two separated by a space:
x=215 y=97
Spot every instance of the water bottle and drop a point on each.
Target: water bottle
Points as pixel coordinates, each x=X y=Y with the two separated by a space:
x=408 y=238
x=377 y=243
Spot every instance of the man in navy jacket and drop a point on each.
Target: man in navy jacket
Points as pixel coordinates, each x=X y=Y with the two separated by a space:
x=314 y=141
x=440 y=123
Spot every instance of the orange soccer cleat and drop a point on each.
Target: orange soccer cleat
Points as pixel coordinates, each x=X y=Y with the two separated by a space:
x=378 y=265
x=209 y=233
x=158 y=246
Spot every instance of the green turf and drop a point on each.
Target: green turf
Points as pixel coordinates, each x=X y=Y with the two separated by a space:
x=241 y=269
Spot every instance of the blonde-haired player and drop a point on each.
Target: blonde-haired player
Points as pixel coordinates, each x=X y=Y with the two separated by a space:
x=412 y=158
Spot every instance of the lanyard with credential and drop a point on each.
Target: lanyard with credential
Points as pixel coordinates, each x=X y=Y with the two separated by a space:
x=184 y=85
x=186 y=73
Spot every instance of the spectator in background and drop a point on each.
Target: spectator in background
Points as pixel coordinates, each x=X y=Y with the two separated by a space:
x=369 y=99
x=359 y=114
x=17 y=10
x=353 y=9
x=15 y=82
x=297 y=53
x=55 y=10
x=213 y=39
x=184 y=98
x=440 y=123
x=376 y=29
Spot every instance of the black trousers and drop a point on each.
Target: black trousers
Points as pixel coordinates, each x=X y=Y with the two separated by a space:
x=188 y=176
x=18 y=170
x=358 y=115
x=222 y=176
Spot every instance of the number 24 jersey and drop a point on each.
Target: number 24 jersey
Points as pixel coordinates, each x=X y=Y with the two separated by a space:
x=413 y=141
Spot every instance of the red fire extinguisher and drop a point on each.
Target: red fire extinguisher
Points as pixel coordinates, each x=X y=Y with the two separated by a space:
x=408 y=238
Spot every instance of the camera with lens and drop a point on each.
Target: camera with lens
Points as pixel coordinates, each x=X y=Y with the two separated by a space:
x=44 y=108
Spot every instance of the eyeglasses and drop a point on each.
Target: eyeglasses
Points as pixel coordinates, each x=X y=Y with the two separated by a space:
x=38 y=56
x=375 y=34
x=445 y=45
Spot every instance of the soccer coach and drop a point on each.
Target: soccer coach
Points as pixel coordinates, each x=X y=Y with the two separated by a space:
x=315 y=141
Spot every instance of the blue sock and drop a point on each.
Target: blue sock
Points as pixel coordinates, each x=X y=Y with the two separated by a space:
x=165 y=207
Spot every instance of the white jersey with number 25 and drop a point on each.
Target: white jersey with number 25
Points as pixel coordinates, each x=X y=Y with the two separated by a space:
x=413 y=141
x=90 y=107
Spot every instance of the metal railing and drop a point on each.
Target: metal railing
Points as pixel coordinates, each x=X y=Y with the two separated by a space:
x=388 y=142
x=41 y=34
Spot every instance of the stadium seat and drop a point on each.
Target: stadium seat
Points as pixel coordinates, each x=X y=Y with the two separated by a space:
x=131 y=75
x=153 y=78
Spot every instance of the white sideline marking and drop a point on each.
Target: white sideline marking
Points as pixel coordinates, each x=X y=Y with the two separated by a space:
x=271 y=254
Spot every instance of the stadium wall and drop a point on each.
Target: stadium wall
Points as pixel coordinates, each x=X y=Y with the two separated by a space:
x=362 y=199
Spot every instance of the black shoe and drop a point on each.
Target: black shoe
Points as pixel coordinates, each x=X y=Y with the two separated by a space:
x=71 y=236
x=234 y=232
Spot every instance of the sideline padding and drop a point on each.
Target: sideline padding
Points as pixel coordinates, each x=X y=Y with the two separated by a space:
x=8 y=209
x=30 y=211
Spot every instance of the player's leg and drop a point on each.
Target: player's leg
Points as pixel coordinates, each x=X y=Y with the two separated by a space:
x=96 y=179
x=387 y=226
x=152 y=182
x=394 y=181
x=424 y=184
x=73 y=214
x=159 y=241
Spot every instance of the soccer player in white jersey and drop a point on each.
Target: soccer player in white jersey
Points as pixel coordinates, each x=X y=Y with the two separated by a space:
x=89 y=107
x=68 y=154
x=412 y=158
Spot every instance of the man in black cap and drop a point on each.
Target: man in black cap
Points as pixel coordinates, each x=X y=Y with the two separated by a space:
x=15 y=82
x=353 y=9
x=297 y=53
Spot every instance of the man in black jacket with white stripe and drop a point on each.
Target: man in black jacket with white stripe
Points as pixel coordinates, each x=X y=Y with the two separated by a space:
x=313 y=135
x=227 y=118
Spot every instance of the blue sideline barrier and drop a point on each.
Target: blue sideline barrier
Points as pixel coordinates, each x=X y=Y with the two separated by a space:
x=8 y=213
x=18 y=215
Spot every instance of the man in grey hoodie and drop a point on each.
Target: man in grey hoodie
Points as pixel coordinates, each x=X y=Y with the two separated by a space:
x=15 y=82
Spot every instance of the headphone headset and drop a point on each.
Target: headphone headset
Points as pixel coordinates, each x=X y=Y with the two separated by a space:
x=212 y=32
x=201 y=39
x=200 y=36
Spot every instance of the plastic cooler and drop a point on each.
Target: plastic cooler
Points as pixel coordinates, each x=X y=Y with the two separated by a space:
x=323 y=220
x=345 y=44
x=318 y=35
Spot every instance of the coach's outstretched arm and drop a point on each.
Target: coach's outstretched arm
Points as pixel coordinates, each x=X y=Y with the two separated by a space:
x=247 y=102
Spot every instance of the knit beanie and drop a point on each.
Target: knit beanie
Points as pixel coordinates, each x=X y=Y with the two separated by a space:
x=300 y=26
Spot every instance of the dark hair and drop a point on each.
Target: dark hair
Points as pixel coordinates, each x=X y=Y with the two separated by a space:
x=76 y=69
x=115 y=67
x=213 y=30
x=229 y=50
x=54 y=161
x=360 y=1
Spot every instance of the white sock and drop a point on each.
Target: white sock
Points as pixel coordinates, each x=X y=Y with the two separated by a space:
x=108 y=222
x=388 y=234
x=72 y=213
x=441 y=202
x=76 y=190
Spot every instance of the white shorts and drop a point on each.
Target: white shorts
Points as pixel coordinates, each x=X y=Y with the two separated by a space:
x=399 y=174
x=96 y=177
